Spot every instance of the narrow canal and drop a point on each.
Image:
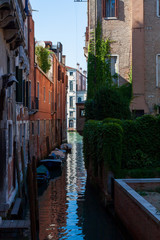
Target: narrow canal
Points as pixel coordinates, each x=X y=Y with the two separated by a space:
x=69 y=209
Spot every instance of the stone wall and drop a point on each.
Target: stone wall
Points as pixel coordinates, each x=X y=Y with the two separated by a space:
x=138 y=216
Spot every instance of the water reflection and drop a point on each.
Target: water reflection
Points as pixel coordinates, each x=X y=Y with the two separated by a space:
x=68 y=207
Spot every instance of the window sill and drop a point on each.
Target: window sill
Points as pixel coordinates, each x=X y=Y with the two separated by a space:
x=111 y=18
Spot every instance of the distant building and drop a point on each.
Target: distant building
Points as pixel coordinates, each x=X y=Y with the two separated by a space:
x=77 y=93
x=133 y=26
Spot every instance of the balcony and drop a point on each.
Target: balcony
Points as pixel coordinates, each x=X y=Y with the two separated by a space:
x=12 y=17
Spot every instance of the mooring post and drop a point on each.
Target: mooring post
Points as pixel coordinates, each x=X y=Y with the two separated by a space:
x=34 y=169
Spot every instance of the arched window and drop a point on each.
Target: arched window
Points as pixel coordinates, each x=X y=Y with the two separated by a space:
x=79 y=100
x=71 y=85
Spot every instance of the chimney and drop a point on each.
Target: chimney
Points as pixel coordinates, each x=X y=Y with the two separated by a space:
x=84 y=73
x=80 y=70
x=63 y=59
x=77 y=66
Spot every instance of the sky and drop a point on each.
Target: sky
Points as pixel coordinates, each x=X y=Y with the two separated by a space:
x=62 y=21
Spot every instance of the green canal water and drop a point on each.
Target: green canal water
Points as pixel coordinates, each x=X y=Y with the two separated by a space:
x=69 y=209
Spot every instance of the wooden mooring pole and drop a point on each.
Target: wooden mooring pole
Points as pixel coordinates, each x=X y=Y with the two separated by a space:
x=31 y=194
x=31 y=202
x=34 y=170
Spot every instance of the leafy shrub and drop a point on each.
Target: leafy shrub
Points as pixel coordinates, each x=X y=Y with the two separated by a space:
x=112 y=120
x=124 y=144
x=102 y=143
x=141 y=142
x=112 y=145
x=89 y=109
x=43 y=58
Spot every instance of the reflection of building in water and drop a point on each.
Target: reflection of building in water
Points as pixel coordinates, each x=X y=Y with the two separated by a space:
x=76 y=179
x=75 y=164
x=53 y=209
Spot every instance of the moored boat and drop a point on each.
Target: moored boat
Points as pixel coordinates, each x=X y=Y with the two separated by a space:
x=43 y=175
x=52 y=163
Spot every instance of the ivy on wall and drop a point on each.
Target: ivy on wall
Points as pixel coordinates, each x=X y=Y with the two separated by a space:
x=99 y=72
x=104 y=97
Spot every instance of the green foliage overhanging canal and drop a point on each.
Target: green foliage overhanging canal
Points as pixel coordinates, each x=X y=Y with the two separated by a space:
x=124 y=146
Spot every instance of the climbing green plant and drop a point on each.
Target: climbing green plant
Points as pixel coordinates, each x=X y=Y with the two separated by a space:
x=99 y=71
x=43 y=58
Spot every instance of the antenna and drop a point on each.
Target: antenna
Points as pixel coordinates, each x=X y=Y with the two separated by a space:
x=80 y=0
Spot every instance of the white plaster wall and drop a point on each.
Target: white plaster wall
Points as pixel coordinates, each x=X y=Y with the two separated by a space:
x=71 y=94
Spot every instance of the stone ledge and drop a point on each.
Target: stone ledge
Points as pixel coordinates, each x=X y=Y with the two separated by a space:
x=140 y=201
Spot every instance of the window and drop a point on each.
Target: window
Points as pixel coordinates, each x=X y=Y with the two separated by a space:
x=82 y=113
x=70 y=123
x=50 y=126
x=71 y=85
x=44 y=89
x=137 y=113
x=38 y=123
x=110 y=8
x=44 y=127
x=158 y=70
x=10 y=140
x=114 y=69
x=71 y=73
x=71 y=102
x=32 y=128
x=71 y=114
x=19 y=76
x=38 y=90
x=158 y=8
x=79 y=100
x=29 y=96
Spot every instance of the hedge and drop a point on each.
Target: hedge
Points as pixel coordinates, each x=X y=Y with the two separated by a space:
x=109 y=102
x=102 y=142
x=123 y=144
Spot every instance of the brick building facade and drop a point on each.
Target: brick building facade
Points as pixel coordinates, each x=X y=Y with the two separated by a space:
x=32 y=103
x=133 y=26
x=47 y=102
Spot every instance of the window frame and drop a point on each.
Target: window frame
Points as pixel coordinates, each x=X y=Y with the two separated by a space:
x=157 y=82
x=80 y=113
x=71 y=106
x=44 y=92
x=158 y=8
x=49 y=97
x=71 y=113
x=116 y=55
x=71 y=84
x=38 y=90
x=33 y=128
x=71 y=121
x=44 y=126
x=104 y=13
x=10 y=139
x=38 y=127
